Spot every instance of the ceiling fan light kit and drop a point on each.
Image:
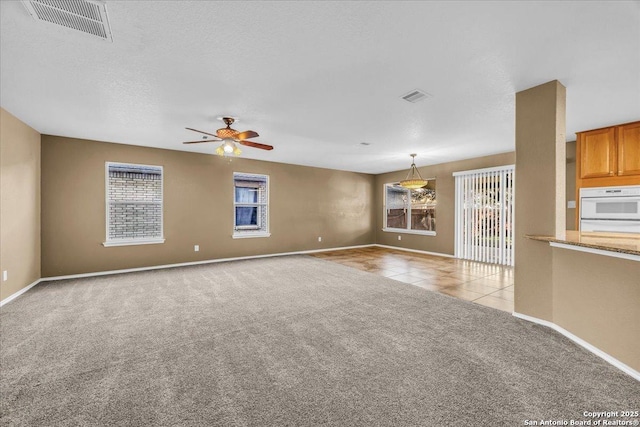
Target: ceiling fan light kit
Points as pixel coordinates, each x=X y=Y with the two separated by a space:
x=414 y=180
x=229 y=138
x=228 y=147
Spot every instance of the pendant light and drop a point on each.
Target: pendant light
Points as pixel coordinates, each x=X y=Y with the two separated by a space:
x=414 y=180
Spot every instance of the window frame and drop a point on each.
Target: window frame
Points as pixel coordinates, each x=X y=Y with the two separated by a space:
x=132 y=241
x=251 y=231
x=407 y=230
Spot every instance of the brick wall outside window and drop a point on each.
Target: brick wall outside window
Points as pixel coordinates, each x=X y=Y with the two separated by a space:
x=135 y=202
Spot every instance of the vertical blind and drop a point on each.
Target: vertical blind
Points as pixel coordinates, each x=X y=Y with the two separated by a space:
x=484 y=215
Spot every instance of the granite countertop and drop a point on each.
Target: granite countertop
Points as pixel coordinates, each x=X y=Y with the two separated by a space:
x=614 y=242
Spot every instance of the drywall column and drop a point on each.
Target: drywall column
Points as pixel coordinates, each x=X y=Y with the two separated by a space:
x=540 y=193
x=19 y=204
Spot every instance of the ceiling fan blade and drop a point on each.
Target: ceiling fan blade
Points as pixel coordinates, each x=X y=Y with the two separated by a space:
x=202 y=140
x=256 y=145
x=246 y=135
x=206 y=133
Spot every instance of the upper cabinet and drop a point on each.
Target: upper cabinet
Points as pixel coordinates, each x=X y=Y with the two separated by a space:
x=598 y=153
x=609 y=156
x=629 y=149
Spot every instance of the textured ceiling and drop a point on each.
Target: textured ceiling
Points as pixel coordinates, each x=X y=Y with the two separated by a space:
x=316 y=79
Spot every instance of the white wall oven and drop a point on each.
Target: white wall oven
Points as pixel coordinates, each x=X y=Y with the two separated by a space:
x=610 y=209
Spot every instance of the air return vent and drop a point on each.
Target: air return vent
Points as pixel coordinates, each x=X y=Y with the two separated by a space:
x=88 y=16
x=416 y=95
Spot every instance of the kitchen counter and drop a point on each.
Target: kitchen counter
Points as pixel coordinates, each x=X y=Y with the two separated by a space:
x=622 y=244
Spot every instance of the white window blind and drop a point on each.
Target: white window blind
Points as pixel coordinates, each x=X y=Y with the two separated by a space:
x=134 y=204
x=251 y=205
x=485 y=215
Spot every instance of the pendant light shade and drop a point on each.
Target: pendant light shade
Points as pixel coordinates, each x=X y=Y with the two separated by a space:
x=414 y=180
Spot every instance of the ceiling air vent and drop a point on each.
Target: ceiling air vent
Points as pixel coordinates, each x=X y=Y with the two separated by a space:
x=416 y=95
x=88 y=16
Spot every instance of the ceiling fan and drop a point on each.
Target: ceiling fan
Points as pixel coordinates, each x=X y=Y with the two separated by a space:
x=229 y=138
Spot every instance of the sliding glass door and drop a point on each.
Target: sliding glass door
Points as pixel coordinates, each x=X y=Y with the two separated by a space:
x=484 y=215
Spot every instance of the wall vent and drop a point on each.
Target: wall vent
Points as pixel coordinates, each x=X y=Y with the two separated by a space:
x=416 y=95
x=88 y=16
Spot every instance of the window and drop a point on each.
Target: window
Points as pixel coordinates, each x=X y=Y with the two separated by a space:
x=251 y=205
x=134 y=204
x=410 y=211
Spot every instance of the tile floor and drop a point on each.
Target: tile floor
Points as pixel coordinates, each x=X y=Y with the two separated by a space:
x=486 y=284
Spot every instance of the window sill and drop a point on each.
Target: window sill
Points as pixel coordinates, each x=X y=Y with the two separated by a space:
x=132 y=242
x=404 y=231
x=249 y=235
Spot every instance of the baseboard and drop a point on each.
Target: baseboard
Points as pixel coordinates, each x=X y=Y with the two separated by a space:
x=158 y=267
x=20 y=292
x=414 y=250
x=582 y=343
x=211 y=261
x=186 y=264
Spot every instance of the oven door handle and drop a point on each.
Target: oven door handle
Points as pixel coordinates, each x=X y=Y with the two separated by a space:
x=608 y=226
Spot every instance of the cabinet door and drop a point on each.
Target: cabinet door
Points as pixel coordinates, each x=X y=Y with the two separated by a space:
x=598 y=153
x=629 y=149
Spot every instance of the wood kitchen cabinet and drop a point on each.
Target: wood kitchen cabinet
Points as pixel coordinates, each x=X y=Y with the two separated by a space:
x=607 y=157
x=598 y=151
x=629 y=149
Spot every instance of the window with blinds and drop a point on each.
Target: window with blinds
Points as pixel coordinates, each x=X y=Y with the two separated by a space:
x=251 y=205
x=134 y=204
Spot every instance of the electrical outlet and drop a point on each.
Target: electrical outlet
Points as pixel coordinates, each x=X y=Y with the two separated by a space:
x=5 y=275
x=319 y=239
x=399 y=237
x=196 y=248
x=571 y=204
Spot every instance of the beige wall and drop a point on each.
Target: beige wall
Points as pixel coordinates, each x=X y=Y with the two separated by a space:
x=540 y=190
x=596 y=298
x=305 y=203
x=19 y=204
x=443 y=241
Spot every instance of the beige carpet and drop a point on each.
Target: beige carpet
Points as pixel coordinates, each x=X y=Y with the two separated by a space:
x=290 y=341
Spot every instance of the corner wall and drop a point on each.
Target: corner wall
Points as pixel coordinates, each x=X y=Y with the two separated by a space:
x=444 y=240
x=19 y=204
x=305 y=203
x=540 y=193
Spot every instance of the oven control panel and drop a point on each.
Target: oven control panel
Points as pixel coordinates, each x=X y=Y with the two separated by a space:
x=632 y=190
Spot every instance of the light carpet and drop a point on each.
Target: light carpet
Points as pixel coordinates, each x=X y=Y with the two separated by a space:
x=288 y=341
